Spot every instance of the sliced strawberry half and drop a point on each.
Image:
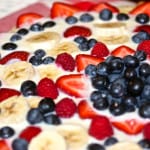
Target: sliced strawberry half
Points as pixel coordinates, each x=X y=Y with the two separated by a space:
x=142 y=8
x=83 y=60
x=6 y=93
x=21 y=55
x=77 y=31
x=100 y=6
x=73 y=85
x=85 y=111
x=131 y=126
x=27 y=19
x=60 y=9
x=122 y=51
x=4 y=145
x=145 y=28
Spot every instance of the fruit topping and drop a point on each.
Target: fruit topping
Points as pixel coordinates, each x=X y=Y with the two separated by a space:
x=105 y=15
x=66 y=108
x=77 y=30
x=6 y=132
x=9 y=46
x=145 y=28
x=15 y=37
x=146 y=131
x=144 y=143
x=110 y=141
x=4 y=145
x=19 y=143
x=122 y=16
x=48 y=24
x=71 y=19
x=86 y=17
x=142 y=18
x=100 y=128
x=86 y=111
x=20 y=55
x=47 y=88
x=23 y=31
x=66 y=61
x=27 y=19
x=131 y=126
x=99 y=50
x=95 y=146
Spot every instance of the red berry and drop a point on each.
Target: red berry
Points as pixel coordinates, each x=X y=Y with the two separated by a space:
x=66 y=108
x=100 y=50
x=66 y=61
x=30 y=132
x=100 y=128
x=144 y=46
x=146 y=131
x=4 y=145
x=145 y=28
x=47 y=88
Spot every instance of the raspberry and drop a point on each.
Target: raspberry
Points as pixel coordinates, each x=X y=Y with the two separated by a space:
x=146 y=131
x=100 y=128
x=66 y=61
x=100 y=50
x=66 y=108
x=47 y=88
x=144 y=46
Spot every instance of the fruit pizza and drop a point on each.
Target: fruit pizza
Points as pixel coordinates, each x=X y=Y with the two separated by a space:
x=77 y=80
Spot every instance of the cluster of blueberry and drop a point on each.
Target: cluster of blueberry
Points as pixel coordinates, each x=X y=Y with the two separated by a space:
x=122 y=84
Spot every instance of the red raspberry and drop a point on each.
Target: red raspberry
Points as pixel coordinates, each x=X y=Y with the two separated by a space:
x=146 y=131
x=47 y=88
x=66 y=108
x=66 y=61
x=144 y=46
x=100 y=50
x=100 y=128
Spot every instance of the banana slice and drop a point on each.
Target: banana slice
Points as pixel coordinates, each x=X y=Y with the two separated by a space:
x=33 y=101
x=48 y=140
x=68 y=47
x=43 y=40
x=16 y=73
x=13 y=110
x=76 y=135
x=124 y=145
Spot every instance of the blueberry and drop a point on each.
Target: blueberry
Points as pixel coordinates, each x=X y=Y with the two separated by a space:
x=34 y=116
x=35 y=61
x=141 y=101
x=103 y=68
x=80 y=39
x=146 y=92
x=144 y=143
x=122 y=17
x=71 y=20
x=90 y=70
x=84 y=46
x=112 y=77
x=48 y=60
x=144 y=110
x=28 y=88
x=142 y=18
x=140 y=55
x=148 y=79
x=9 y=46
x=92 y=42
x=144 y=70
x=19 y=144
x=95 y=146
x=110 y=141
x=49 y=24
x=15 y=37
x=36 y=27
x=23 y=31
x=130 y=73
x=46 y=105
x=52 y=119
x=86 y=17
x=39 y=53
x=6 y=132
x=105 y=15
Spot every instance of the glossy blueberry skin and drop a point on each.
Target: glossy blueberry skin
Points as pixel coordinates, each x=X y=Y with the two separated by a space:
x=15 y=37
x=48 y=60
x=86 y=17
x=103 y=68
x=144 y=110
x=140 y=55
x=90 y=70
x=6 y=132
x=105 y=15
x=49 y=24
x=35 y=61
x=84 y=46
x=142 y=18
x=39 y=53
x=95 y=146
x=144 y=70
x=122 y=17
x=9 y=46
x=23 y=31
x=146 y=92
x=34 y=116
x=144 y=143
x=52 y=119
x=130 y=73
x=36 y=27
x=19 y=144
x=80 y=39
x=110 y=141
x=92 y=42
x=71 y=20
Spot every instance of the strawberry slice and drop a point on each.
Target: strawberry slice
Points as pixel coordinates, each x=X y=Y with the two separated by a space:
x=21 y=55
x=85 y=111
x=142 y=8
x=73 y=85
x=60 y=9
x=83 y=60
x=27 y=19
x=30 y=132
x=122 y=51
x=77 y=31
x=146 y=131
x=100 y=6
x=4 y=145
x=131 y=126
x=145 y=28
x=84 y=5
x=6 y=93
